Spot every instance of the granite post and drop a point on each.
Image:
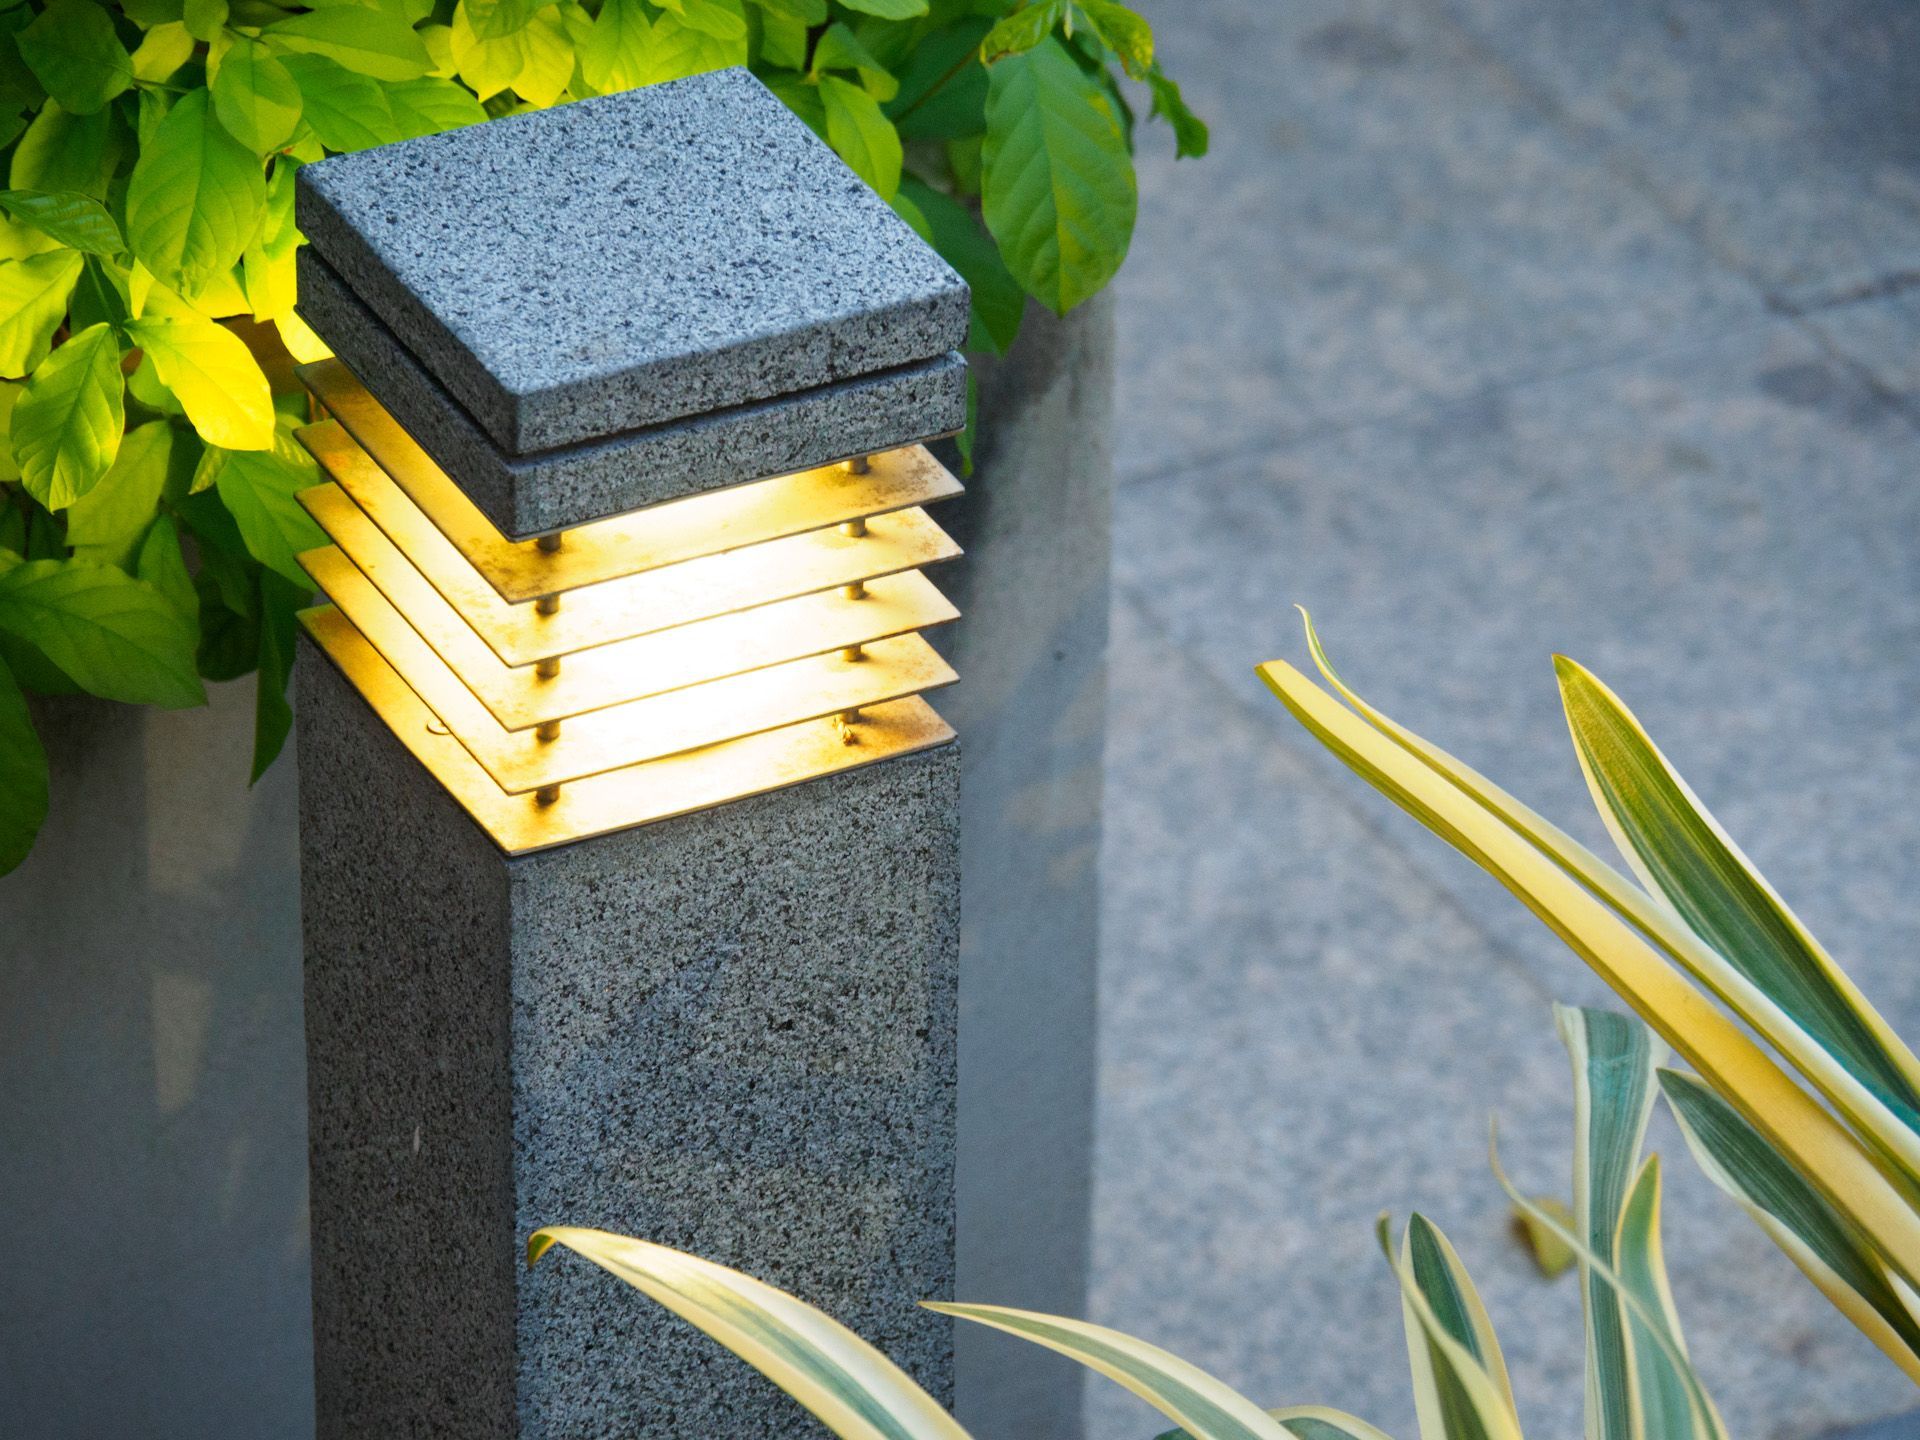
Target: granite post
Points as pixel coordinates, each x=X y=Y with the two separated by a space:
x=659 y=998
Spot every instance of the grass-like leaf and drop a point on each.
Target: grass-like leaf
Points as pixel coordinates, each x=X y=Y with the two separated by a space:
x=1460 y=1389
x=852 y=1388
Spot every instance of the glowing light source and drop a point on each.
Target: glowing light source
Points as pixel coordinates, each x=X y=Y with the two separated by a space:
x=700 y=650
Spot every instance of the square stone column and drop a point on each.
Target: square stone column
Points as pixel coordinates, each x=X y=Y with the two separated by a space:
x=630 y=848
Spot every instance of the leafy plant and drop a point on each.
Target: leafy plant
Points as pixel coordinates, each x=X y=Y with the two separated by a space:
x=148 y=531
x=1827 y=1160
x=1640 y=1382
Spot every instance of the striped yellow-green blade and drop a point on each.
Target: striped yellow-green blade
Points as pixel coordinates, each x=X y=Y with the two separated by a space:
x=1828 y=1248
x=1204 y=1407
x=1613 y=1064
x=1649 y=1306
x=854 y=1390
x=1311 y=1422
x=1660 y=1392
x=1819 y=1146
x=1679 y=851
x=1892 y=1139
x=1460 y=1389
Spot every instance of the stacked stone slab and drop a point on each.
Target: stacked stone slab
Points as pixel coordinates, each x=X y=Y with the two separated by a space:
x=707 y=996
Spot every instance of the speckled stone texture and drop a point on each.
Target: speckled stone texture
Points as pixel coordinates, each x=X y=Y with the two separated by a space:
x=632 y=259
x=527 y=495
x=733 y=1032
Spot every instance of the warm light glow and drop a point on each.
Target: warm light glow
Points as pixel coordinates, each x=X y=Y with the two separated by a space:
x=362 y=433
x=697 y=651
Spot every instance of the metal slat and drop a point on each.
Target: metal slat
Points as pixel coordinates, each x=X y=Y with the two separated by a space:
x=665 y=534
x=639 y=730
x=626 y=669
x=637 y=604
x=639 y=794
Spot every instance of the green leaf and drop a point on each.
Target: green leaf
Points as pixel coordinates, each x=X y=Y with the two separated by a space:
x=367 y=39
x=162 y=51
x=1613 y=1060
x=861 y=135
x=854 y=1390
x=75 y=220
x=1829 y=1249
x=267 y=264
x=998 y=300
x=345 y=111
x=497 y=19
x=204 y=18
x=1461 y=1391
x=255 y=97
x=195 y=196
x=1202 y=1405
x=66 y=428
x=888 y=9
x=807 y=12
x=618 y=52
x=1023 y=29
x=214 y=376
x=63 y=151
x=1680 y=852
x=1122 y=31
x=117 y=637
x=430 y=105
x=162 y=565
x=107 y=522
x=722 y=19
x=1058 y=187
x=73 y=51
x=23 y=776
x=33 y=302
x=839 y=49
x=257 y=487
x=272 y=716
x=548 y=64
x=1190 y=135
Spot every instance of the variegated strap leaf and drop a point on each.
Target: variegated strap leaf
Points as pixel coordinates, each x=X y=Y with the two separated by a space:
x=1450 y=1345
x=1660 y=1392
x=1311 y=1422
x=1679 y=851
x=1827 y=1247
x=1204 y=1407
x=1648 y=1306
x=1817 y=1144
x=1884 y=1130
x=1612 y=1097
x=854 y=1390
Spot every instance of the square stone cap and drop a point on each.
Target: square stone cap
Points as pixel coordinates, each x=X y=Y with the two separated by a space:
x=630 y=260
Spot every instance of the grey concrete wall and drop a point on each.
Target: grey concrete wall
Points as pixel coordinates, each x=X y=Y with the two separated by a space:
x=152 y=1093
x=1031 y=650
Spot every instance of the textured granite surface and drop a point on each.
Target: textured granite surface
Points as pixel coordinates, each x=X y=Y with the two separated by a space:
x=640 y=257
x=571 y=485
x=1032 y=655
x=733 y=1032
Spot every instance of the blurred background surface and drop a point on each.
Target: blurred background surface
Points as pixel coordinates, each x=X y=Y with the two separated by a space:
x=1491 y=328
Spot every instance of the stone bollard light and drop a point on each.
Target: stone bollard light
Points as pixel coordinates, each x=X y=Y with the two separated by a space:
x=629 y=845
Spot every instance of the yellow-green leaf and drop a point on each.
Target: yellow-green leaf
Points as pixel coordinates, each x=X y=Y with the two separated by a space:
x=368 y=39
x=345 y=111
x=267 y=264
x=1124 y=32
x=23 y=775
x=888 y=9
x=66 y=427
x=64 y=151
x=1203 y=1406
x=194 y=198
x=107 y=522
x=115 y=636
x=33 y=302
x=680 y=50
x=722 y=19
x=258 y=489
x=618 y=51
x=73 y=51
x=854 y=1390
x=1058 y=187
x=215 y=377
x=546 y=59
x=861 y=135
x=255 y=97
x=75 y=220
x=429 y=106
x=162 y=50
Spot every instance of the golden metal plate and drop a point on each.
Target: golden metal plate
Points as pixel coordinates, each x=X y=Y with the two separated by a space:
x=639 y=730
x=663 y=534
x=637 y=604
x=639 y=794
x=626 y=669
